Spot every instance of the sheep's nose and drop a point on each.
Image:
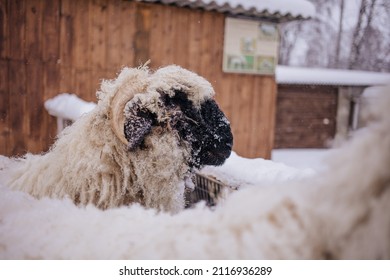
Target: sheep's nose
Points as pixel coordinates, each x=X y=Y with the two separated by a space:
x=224 y=154
x=217 y=145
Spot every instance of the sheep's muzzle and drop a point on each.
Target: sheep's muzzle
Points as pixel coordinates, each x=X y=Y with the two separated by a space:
x=206 y=130
x=215 y=143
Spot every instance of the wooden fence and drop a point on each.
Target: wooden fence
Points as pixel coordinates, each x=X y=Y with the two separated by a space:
x=50 y=47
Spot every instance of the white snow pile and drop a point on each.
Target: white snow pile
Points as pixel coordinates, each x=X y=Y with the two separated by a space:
x=309 y=159
x=239 y=172
x=340 y=212
x=5 y=161
x=68 y=106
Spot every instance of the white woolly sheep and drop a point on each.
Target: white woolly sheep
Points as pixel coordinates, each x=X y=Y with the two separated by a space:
x=148 y=133
x=343 y=212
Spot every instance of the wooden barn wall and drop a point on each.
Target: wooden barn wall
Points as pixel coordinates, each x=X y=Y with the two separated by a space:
x=305 y=116
x=50 y=47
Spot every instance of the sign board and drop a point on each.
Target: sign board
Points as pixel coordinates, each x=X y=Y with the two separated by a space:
x=250 y=46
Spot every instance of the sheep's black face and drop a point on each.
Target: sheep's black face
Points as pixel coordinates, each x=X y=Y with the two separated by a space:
x=207 y=130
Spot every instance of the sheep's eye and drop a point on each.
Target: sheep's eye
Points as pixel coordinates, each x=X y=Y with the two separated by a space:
x=167 y=100
x=178 y=99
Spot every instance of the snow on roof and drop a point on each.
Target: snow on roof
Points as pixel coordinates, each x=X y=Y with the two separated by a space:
x=287 y=9
x=322 y=76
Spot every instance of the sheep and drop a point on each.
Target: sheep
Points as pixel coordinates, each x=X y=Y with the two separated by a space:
x=148 y=134
x=341 y=212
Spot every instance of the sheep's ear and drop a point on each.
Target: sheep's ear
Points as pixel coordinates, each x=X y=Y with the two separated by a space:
x=138 y=124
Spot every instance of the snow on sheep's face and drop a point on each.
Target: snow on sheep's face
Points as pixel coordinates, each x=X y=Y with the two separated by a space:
x=205 y=130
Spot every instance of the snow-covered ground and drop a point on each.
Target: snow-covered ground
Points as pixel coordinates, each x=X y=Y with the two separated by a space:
x=300 y=158
x=285 y=165
x=341 y=212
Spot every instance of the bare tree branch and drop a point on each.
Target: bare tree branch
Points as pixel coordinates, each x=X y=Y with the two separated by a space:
x=365 y=13
x=336 y=62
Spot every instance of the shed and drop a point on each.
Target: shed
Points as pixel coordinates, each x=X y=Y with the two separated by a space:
x=69 y=46
x=317 y=107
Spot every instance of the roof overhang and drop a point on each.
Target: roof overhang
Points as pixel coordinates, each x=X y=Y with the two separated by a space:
x=274 y=10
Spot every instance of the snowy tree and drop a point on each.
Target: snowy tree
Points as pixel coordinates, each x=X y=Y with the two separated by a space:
x=306 y=43
x=362 y=31
x=371 y=37
x=339 y=33
x=344 y=34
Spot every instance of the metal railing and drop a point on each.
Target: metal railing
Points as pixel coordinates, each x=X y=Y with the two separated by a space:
x=207 y=189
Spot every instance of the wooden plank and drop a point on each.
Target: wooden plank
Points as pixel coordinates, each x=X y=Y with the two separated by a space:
x=244 y=112
x=97 y=33
x=205 y=58
x=195 y=37
x=180 y=42
x=34 y=109
x=156 y=36
x=215 y=75
x=235 y=89
x=81 y=56
x=225 y=93
x=17 y=15
x=217 y=44
x=257 y=136
x=4 y=35
x=220 y=83
x=262 y=118
x=166 y=56
x=220 y=80
x=66 y=47
x=51 y=85
x=114 y=26
x=82 y=83
x=4 y=108
x=50 y=29
x=51 y=80
x=33 y=36
x=66 y=7
x=66 y=80
x=17 y=103
x=268 y=114
x=142 y=35
x=127 y=16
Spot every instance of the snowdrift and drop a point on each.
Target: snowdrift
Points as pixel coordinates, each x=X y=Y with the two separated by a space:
x=340 y=212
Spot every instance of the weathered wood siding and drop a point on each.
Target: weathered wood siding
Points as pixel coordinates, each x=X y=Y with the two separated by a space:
x=50 y=47
x=306 y=116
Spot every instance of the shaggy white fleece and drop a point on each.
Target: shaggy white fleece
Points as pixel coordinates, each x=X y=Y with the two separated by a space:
x=89 y=163
x=341 y=213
